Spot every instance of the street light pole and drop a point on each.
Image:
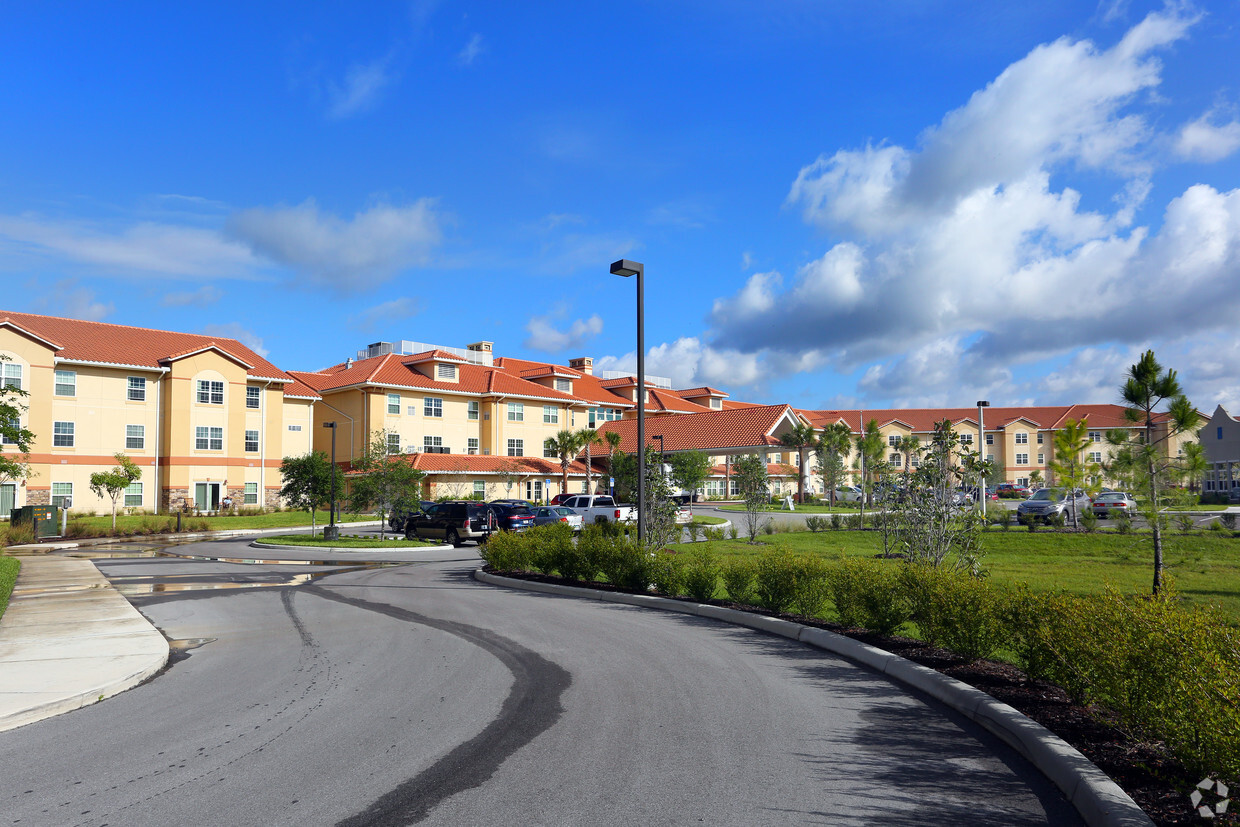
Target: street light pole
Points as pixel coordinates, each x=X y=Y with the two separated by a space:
x=331 y=532
x=982 y=405
x=627 y=268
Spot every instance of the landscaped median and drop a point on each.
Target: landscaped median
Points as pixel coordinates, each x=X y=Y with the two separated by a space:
x=86 y=525
x=1153 y=684
x=345 y=541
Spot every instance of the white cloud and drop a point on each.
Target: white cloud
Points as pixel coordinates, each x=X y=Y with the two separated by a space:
x=577 y=251
x=69 y=300
x=360 y=90
x=234 y=330
x=473 y=48
x=338 y=253
x=689 y=363
x=545 y=337
x=1205 y=141
x=396 y=310
x=207 y=294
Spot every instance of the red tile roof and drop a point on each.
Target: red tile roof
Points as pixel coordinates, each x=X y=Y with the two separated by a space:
x=922 y=420
x=706 y=431
x=113 y=344
x=440 y=464
x=585 y=386
x=705 y=390
x=432 y=356
x=773 y=469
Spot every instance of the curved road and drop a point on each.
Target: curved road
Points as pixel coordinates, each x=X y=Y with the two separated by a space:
x=414 y=694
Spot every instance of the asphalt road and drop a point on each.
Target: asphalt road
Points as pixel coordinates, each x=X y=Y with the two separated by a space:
x=416 y=695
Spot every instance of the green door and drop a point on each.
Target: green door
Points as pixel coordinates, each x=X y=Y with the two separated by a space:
x=8 y=498
x=207 y=496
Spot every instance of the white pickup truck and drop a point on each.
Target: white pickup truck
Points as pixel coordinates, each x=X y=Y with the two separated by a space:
x=600 y=508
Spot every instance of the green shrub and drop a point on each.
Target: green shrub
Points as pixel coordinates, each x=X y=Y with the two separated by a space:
x=1030 y=618
x=701 y=575
x=74 y=530
x=714 y=534
x=1029 y=521
x=837 y=522
x=866 y=595
x=1228 y=521
x=1216 y=527
x=19 y=534
x=624 y=563
x=667 y=572
x=1123 y=523
x=1057 y=520
x=816 y=524
x=1089 y=520
x=505 y=551
x=811 y=588
x=552 y=550
x=956 y=610
x=775 y=580
x=733 y=533
x=738 y=574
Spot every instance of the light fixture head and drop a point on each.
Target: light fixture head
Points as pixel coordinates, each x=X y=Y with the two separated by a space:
x=626 y=268
x=329 y=424
x=982 y=403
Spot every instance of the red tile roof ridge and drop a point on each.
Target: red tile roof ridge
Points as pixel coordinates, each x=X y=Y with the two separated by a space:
x=709 y=391
x=429 y=355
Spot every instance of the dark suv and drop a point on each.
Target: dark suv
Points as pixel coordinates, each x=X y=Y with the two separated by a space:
x=453 y=522
x=396 y=520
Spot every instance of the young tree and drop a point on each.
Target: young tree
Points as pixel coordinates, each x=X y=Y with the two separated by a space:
x=114 y=481
x=565 y=445
x=910 y=446
x=870 y=461
x=1072 y=470
x=1035 y=479
x=831 y=447
x=15 y=466
x=307 y=483
x=613 y=440
x=1142 y=453
x=386 y=480
x=689 y=471
x=934 y=526
x=749 y=471
x=588 y=437
x=658 y=509
x=801 y=439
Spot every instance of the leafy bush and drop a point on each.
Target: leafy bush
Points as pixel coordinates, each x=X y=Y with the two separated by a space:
x=1123 y=523
x=701 y=574
x=1057 y=520
x=624 y=563
x=1228 y=521
x=866 y=595
x=1029 y=521
x=1217 y=527
x=810 y=586
x=816 y=524
x=1184 y=522
x=732 y=532
x=667 y=572
x=775 y=580
x=505 y=551
x=738 y=574
x=552 y=550
x=956 y=609
x=837 y=522
x=714 y=534
x=1089 y=520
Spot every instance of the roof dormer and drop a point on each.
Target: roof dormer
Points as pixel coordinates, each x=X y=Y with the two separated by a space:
x=705 y=396
x=439 y=365
x=552 y=376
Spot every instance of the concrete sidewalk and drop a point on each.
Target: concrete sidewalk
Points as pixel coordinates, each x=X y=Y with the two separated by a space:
x=69 y=639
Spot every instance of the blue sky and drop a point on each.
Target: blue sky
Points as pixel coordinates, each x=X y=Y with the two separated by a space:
x=838 y=204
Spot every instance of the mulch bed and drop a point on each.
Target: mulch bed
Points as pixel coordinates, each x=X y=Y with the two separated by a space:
x=1144 y=769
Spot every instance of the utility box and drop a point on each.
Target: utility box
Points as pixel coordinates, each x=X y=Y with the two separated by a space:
x=45 y=518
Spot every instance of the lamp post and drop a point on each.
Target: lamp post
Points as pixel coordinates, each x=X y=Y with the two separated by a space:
x=332 y=532
x=982 y=404
x=627 y=268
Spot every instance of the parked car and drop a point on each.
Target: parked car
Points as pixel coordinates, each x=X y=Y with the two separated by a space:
x=548 y=514
x=525 y=503
x=452 y=522
x=847 y=494
x=559 y=499
x=396 y=520
x=1110 y=503
x=1010 y=490
x=1047 y=502
x=510 y=517
x=600 y=508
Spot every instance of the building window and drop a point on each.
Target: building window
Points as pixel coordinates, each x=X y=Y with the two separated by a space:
x=411 y=410
x=966 y=439
x=471 y=445
x=135 y=437
x=251 y=493
x=66 y=383
x=432 y=444
x=393 y=404
x=210 y=392
x=61 y=491
x=133 y=495
x=563 y=385
x=1022 y=438
x=1095 y=436
x=137 y=389
x=393 y=443
x=294 y=427
x=551 y=415
x=1022 y=481
x=1041 y=437
x=916 y=461
x=516 y=412
x=895 y=460
x=12 y=375
x=990 y=457
x=480 y=490
x=893 y=440
x=251 y=441
x=1220 y=427
x=1022 y=459
x=548 y=451
x=432 y=407
x=585 y=487
x=209 y=439
x=990 y=439
x=445 y=371
x=516 y=447
x=472 y=409
x=62 y=434
x=1041 y=459
x=1095 y=456
x=13 y=423
x=252 y=396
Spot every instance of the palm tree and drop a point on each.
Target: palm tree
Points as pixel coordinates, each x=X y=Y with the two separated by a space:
x=801 y=438
x=565 y=445
x=613 y=444
x=831 y=445
x=908 y=445
x=587 y=437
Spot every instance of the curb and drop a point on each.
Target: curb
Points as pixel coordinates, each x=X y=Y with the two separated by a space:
x=186 y=535
x=1097 y=798
x=347 y=549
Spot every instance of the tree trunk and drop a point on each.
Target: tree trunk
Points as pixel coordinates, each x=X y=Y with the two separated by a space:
x=114 y=515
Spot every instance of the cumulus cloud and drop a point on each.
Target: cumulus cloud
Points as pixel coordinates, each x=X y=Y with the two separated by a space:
x=72 y=301
x=545 y=337
x=473 y=48
x=360 y=90
x=396 y=310
x=690 y=363
x=967 y=249
x=207 y=294
x=1204 y=140
x=234 y=330
x=334 y=252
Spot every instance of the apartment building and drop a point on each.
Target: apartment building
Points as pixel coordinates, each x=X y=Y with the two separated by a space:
x=1220 y=439
x=204 y=417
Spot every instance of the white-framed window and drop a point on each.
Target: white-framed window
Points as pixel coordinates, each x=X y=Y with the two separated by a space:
x=563 y=385
x=251 y=494
x=916 y=460
x=133 y=495
x=1095 y=436
x=548 y=451
x=585 y=487
x=135 y=437
x=66 y=383
x=208 y=439
x=472 y=410
x=210 y=392
x=990 y=457
x=393 y=443
x=1041 y=459
x=480 y=489
x=14 y=423
x=1041 y=438
x=432 y=406
x=1022 y=481
x=516 y=412
x=62 y=434
x=432 y=444
x=294 y=427
x=990 y=439
x=1095 y=456
x=61 y=491
x=551 y=415
x=471 y=445
x=444 y=371
x=1022 y=459
x=966 y=439
x=253 y=396
x=1022 y=438
x=895 y=460
x=12 y=375
x=251 y=441
x=796 y=458
x=136 y=390
x=393 y=404
x=893 y=440
x=516 y=447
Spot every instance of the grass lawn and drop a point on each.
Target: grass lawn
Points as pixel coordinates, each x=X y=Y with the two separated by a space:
x=1205 y=565
x=8 y=579
x=803 y=509
x=344 y=542
x=100 y=525
x=707 y=521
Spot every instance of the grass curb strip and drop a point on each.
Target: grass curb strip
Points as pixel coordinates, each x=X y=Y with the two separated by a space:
x=1097 y=798
x=345 y=549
